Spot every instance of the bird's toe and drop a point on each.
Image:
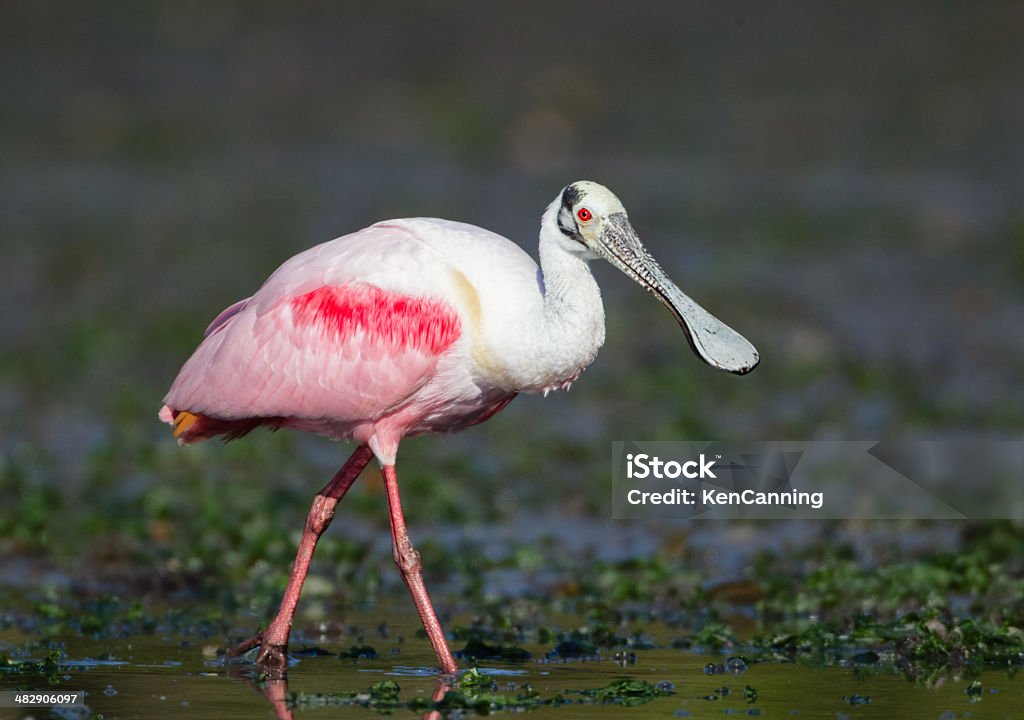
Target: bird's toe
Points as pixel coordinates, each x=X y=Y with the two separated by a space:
x=272 y=659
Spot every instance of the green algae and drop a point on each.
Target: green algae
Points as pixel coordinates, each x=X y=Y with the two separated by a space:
x=478 y=693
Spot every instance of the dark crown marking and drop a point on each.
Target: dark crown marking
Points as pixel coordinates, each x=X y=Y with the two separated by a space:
x=570 y=196
x=566 y=223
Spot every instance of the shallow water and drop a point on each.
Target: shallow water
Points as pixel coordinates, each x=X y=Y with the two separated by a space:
x=174 y=675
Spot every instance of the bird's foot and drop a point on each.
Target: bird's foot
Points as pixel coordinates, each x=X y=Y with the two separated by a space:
x=245 y=646
x=272 y=659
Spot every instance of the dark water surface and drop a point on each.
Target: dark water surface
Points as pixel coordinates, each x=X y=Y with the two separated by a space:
x=173 y=676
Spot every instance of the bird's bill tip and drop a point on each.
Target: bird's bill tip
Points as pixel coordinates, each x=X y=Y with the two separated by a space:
x=712 y=340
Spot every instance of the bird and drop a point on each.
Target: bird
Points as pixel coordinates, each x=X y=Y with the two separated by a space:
x=410 y=327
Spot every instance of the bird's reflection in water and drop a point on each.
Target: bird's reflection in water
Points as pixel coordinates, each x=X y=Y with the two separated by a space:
x=274 y=688
x=440 y=690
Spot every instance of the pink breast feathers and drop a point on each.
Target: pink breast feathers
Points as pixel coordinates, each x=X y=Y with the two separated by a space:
x=388 y=318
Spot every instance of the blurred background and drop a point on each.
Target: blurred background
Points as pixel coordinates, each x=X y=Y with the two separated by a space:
x=841 y=183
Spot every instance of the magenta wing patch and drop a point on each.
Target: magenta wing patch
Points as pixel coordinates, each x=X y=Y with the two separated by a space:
x=400 y=322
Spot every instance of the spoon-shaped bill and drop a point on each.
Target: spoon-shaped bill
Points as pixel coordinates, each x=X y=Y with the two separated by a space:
x=713 y=341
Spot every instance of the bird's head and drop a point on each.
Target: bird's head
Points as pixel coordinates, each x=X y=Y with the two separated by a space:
x=593 y=223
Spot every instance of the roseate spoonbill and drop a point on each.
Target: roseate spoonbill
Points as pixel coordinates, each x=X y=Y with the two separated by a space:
x=417 y=326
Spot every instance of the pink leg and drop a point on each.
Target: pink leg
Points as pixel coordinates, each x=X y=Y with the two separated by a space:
x=408 y=561
x=273 y=641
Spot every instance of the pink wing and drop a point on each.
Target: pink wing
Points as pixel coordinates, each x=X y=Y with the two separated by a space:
x=321 y=340
x=225 y=315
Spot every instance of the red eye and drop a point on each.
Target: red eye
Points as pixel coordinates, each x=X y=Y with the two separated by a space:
x=583 y=214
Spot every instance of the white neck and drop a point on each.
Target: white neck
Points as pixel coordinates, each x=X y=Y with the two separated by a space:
x=556 y=347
